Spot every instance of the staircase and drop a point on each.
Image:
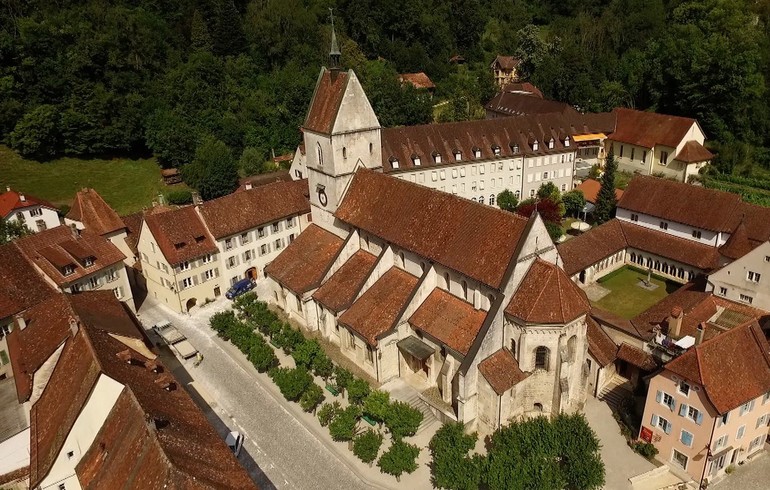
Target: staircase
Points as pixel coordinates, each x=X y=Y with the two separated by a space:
x=615 y=391
x=416 y=402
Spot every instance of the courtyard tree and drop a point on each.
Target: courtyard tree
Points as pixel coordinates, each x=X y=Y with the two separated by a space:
x=574 y=202
x=262 y=355
x=451 y=467
x=327 y=413
x=214 y=171
x=311 y=398
x=343 y=425
x=12 y=229
x=507 y=201
x=342 y=377
x=377 y=404
x=402 y=420
x=291 y=382
x=606 y=201
x=358 y=390
x=400 y=458
x=367 y=445
x=305 y=352
x=322 y=365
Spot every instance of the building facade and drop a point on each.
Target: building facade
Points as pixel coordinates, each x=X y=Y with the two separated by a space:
x=505 y=69
x=37 y=214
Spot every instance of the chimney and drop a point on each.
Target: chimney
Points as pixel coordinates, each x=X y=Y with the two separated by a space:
x=249 y=186
x=675 y=322
x=21 y=323
x=73 y=326
x=166 y=382
x=22 y=197
x=152 y=365
x=699 y=332
x=8 y=188
x=196 y=198
x=74 y=230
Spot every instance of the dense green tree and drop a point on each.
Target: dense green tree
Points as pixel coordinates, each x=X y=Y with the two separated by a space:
x=451 y=466
x=213 y=171
x=402 y=420
x=400 y=458
x=358 y=390
x=36 y=134
x=327 y=413
x=12 y=229
x=606 y=200
x=200 y=38
x=507 y=201
x=305 y=352
x=228 y=32
x=574 y=202
x=291 y=382
x=366 y=445
x=342 y=378
x=343 y=425
x=311 y=398
x=377 y=404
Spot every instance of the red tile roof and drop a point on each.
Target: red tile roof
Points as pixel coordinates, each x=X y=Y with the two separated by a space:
x=547 y=295
x=692 y=152
x=340 y=290
x=263 y=179
x=590 y=189
x=448 y=319
x=616 y=322
x=133 y=224
x=434 y=224
x=589 y=248
x=326 y=101
x=249 y=209
x=755 y=217
x=739 y=243
x=418 y=80
x=302 y=265
x=96 y=215
x=518 y=104
x=733 y=367
x=523 y=88
x=637 y=357
x=10 y=201
x=54 y=248
x=682 y=250
x=501 y=370
x=378 y=309
x=22 y=286
x=600 y=345
x=648 y=129
x=181 y=234
x=506 y=62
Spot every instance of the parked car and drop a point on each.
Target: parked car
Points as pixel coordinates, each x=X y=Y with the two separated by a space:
x=175 y=339
x=240 y=287
x=234 y=441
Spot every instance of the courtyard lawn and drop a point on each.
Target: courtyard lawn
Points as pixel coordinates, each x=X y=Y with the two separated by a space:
x=626 y=299
x=126 y=184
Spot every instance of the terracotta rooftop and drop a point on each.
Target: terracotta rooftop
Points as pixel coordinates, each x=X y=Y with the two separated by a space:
x=96 y=215
x=11 y=201
x=417 y=80
x=692 y=152
x=617 y=322
x=340 y=290
x=326 y=101
x=600 y=345
x=592 y=246
x=733 y=367
x=181 y=234
x=133 y=224
x=648 y=129
x=434 y=224
x=637 y=357
x=242 y=211
x=739 y=243
x=22 y=286
x=506 y=62
x=547 y=295
x=689 y=252
x=501 y=370
x=304 y=262
x=520 y=104
x=590 y=189
x=448 y=319
x=53 y=249
x=525 y=88
x=263 y=179
x=377 y=310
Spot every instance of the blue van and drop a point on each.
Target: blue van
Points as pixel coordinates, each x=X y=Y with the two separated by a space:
x=240 y=287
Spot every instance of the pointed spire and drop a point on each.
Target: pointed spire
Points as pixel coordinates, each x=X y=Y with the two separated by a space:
x=334 y=52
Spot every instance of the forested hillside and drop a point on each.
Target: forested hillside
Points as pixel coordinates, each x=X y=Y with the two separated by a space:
x=99 y=77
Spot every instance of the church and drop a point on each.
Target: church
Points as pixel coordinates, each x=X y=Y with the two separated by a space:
x=467 y=303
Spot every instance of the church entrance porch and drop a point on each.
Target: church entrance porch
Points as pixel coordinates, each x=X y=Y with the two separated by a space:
x=414 y=361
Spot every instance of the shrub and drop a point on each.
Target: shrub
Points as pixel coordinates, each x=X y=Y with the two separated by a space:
x=179 y=197
x=222 y=322
x=327 y=413
x=377 y=404
x=402 y=420
x=646 y=449
x=322 y=365
x=247 y=304
x=274 y=330
x=262 y=356
x=291 y=382
x=399 y=459
x=358 y=390
x=311 y=398
x=343 y=426
x=304 y=352
x=729 y=470
x=342 y=377
x=366 y=446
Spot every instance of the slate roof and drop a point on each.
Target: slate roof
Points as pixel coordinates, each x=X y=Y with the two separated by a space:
x=340 y=290
x=181 y=234
x=648 y=129
x=600 y=345
x=448 y=319
x=692 y=152
x=55 y=248
x=326 y=101
x=22 y=286
x=547 y=295
x=434 y=224
x=378 y=309
x=93 y=211
x=501 y=370
x=242 y=211
x=304 y=262
x=733 y=367
x=590 y=189
x=10 y=201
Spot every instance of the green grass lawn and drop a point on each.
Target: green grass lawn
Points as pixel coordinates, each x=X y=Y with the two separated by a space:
x=626 y=299
x=127 y=185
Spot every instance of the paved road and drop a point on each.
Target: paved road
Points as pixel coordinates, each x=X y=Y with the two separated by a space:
x=282 y=453
x=754 y=475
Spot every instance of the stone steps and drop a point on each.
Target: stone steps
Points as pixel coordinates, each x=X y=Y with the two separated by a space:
x=416 y=402
x=614 y=392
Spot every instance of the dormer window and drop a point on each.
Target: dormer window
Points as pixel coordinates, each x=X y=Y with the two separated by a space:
x=515 y=149
x=550 y=143
x=496 y=150
x=535 y=146
x=436 y=158
x=415 y=160
x=477 y=153
x=68 y=269
x=178 y=245
x=394 y=162
x=88 y=261
x=458 y=155
x=566 y=141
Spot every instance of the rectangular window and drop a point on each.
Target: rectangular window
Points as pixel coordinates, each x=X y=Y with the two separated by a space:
x=263 y=249
x=746 y=299
x=231 y=262
x=276 y=227
x=94 y=282
x=644 y=156
x=261 y=232
x=766 y=398
x=184 y=266
x=228 y=243
x=668 y=400
x=663 y=225
x=206 y=259
x=247 y=255
x=462 y=172
x=761 y=421
x=187 y=282
x=696 y=234
x=680 y=459
x=245 y=238
x=434 y=176
x=634 y=217
x=291 y=238
x=747 y=407
x=752 y=276
x=442 y=175
x=36 y=212
x=351 y=340
x=4 y=358
x=741 y=431
x=684 y=388
x=720 y=443
x=112 y=275
x=661 y=423
x=209 y=274
x=686 y=438
x=664 y=158
x=621 y=151
x=278 y=244
x=755 y=443
x=632 y=153
x=290 y=222
x=369 y=354
x=722 y=291
x=118 y=292
x=767 y=258
x=482 y=169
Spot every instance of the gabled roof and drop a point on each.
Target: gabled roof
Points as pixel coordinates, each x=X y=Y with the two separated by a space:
x=733 y=367
x=55 y=248
x=302 y=265
x=589 y=248
x=700 y=255
x=547 y=295
x=242 y=211
x=600 y=345
x=22 y=286
x=692 y=152
x=417 y=80
x=637 y=357
x=90 y=209
x=181 y=234
x=739 y=243
x=648 y=129
x=590 y=189
x=11 y=201
x=501 y=370
x=519 y=104
x=448 y=319
x=506 y=62
x=133 y=224
x=525 y=88
x=434 y=224
x=378 y=309
x=326 y=101
x=340 y=290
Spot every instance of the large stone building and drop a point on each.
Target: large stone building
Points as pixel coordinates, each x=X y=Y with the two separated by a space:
x=460 y=300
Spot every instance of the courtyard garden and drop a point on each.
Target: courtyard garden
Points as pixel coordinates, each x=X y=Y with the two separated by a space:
x=625 y=295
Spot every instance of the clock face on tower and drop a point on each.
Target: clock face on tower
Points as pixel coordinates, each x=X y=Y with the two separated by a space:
x=322 y=197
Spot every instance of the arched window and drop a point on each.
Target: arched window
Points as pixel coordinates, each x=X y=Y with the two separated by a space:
x=446 y=280
x=465 y=290
x=649 y=262
x=681 y=273
x=481 y=199
x=657 y=265
x=538 y=407
x=401 y=256
x=572 y=348
x=665 y=268
x=344 y=152
x=491 y=199
x=320 y=154
x=633 y=257
x=422 y=266
x=690 y=275
x=517 y=194
x=541 y=358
